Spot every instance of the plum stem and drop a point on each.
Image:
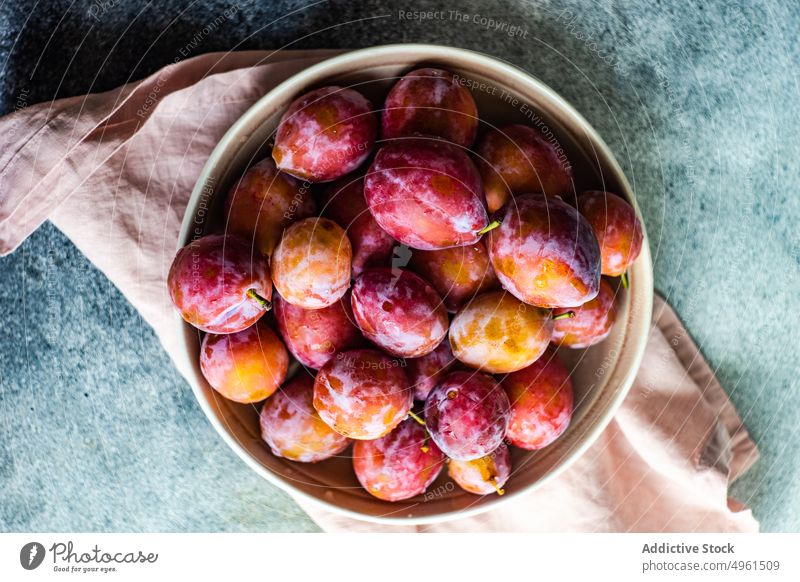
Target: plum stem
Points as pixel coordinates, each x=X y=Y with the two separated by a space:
x=624 y=278
x=500 y=491
x=492 y=225
x=566 y=315
x=424 y=448
x=253 y=294
x=415 y=417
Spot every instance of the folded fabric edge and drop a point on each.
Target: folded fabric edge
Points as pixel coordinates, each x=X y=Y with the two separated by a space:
x=110 y=105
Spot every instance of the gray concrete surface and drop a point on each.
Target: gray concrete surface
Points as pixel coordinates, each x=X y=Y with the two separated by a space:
x=698 y=100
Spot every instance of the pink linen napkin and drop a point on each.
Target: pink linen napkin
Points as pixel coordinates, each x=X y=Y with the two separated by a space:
x=113 y=171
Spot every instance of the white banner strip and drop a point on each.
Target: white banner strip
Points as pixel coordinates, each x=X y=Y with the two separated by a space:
x=407 y=557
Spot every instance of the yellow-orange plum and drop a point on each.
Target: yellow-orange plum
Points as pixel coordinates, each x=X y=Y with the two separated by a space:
x=498 y=333
x=485 y=475
x=246 y=366
x=311 y=264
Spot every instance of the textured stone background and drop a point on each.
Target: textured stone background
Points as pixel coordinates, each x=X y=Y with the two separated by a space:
x=697 y=100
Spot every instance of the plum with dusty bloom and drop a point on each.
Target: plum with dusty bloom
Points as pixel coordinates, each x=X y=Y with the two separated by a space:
x=325 y=134
x=467 y=415
x=293 y=429
x=219 y=284
x=431 y=102
x=362 y=394
x=426 y=193
x=314 y=336
x=399 y=312
x=400 y=465
x=545 y=253
x=541 y=402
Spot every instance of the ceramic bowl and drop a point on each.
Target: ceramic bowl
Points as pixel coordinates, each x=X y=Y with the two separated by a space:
x=602 y=374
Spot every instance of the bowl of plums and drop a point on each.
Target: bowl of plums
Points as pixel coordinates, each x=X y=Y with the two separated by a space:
x=413 y=284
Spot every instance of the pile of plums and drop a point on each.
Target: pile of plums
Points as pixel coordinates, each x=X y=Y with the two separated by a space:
x=409 y=268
